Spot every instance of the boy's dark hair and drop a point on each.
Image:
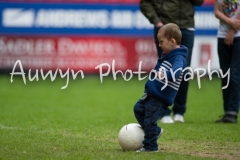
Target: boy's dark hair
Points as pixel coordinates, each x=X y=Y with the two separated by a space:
x=172 y=30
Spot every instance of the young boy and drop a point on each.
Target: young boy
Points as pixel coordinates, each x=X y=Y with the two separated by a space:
x=162 y=86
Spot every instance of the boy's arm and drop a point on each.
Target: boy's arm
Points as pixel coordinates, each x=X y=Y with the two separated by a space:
x=176 y=69
x=149 y=12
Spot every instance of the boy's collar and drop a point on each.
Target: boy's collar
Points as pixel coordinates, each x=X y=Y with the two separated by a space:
x=164 y=54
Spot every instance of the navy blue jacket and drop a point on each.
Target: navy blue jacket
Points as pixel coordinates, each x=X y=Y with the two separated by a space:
x=172 y=65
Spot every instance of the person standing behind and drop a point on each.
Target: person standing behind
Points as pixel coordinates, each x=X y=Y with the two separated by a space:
x=160 y=12
x=228 y=12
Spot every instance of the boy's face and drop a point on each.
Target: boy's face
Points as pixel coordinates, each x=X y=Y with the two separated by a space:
x=165 y=44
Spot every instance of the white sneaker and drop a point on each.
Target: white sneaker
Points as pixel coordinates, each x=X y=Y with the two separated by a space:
x=166 y=119
x=178 y=118
x=144 y=150
x=161 y=132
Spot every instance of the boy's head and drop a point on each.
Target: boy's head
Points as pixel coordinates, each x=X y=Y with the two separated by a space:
x=169 y=37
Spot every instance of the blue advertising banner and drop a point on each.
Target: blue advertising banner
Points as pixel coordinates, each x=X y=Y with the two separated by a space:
x=87 y=19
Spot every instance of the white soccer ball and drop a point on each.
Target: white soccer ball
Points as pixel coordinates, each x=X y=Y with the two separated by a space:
x=131 y=136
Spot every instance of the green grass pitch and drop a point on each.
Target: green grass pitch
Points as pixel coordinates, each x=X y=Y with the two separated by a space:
x=39 y=120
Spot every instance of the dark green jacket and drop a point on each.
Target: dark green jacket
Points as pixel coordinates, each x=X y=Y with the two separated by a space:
x=180 y=12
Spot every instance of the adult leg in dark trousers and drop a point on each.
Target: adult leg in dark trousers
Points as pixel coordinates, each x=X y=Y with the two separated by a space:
x=179 y=106
x=229 y=57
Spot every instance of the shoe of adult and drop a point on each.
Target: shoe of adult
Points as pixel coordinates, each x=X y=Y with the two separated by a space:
x=166 y=119
x=227 y=118
x=178 y=118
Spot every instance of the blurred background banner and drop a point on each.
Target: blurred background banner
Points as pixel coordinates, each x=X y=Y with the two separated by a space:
x=78 y=53
x=73 y=19
x=84 y=34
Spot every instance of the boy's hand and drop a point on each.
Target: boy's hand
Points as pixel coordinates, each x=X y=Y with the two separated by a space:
x=160 y=75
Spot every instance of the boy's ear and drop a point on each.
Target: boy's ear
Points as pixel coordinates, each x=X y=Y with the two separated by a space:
x=173 y=40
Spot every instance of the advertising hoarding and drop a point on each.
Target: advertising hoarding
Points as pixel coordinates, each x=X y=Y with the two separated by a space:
x=83 y=35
